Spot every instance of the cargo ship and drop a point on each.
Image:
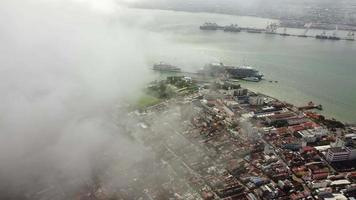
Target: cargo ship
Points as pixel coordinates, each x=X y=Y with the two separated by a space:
x=322 y=36
x=254 y=30
x=350 y=36
x=209 y=26
x=243 y=72
x=232 y=28
x=164 y=67
x=271 y=28
x=334 y=35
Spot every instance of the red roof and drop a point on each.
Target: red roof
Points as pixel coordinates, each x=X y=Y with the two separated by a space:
x=282 y=130
x=320 y=176
x=308 y=148
x=296 y=128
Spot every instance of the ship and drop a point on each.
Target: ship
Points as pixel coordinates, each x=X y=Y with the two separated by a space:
x=209 y=26
x=164 y=67
x=252 y=79
x=243 y=72
x=271 y=28
x=334 y=35
x=254 y=30
x=350 y=36
x=322 y=36
x=232 y=28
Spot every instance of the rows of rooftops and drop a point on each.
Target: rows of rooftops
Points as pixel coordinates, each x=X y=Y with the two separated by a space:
x=226 y=142
x=313 y=149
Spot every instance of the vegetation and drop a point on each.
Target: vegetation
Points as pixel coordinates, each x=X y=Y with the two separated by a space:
x=280 y=123
x=172 y=86
x=147 y=100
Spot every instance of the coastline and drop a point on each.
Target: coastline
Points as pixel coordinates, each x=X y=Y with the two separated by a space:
x=255 y=142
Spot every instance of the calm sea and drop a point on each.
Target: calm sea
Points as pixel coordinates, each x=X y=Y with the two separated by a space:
x=306 y=69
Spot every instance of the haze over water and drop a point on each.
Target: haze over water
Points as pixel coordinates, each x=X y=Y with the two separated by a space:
x=306 y=69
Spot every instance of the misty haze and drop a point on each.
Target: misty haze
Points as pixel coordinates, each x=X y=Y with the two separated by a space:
x=177 y=99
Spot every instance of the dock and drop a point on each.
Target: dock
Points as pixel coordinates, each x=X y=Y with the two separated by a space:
x=271 y=29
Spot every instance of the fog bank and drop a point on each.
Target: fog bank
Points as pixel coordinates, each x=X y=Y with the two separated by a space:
x=64 y=67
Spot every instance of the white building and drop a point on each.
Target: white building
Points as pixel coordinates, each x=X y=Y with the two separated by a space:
x=319 y=184
x=340 y=151
x=336 y=154
x=311 y=135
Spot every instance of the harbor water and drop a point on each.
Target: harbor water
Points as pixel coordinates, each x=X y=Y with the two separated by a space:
x=307 y=69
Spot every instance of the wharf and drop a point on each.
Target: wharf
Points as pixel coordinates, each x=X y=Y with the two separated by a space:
x=274 y=32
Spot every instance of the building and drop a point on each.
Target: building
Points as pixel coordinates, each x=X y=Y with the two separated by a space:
x=336 y=154
x=240 y=92
x=256 y=100
x=341 y=151
x=280 y=116
x=319 y=184
x=312 y=135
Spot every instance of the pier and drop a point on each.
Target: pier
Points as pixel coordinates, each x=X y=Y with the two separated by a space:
x=272 y=30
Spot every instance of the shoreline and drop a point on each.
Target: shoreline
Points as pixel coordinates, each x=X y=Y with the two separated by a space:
x=222 y=135
x=285 y=22
x=325 y=112
x=321 y=113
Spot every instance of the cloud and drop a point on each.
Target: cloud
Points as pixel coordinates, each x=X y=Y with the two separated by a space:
x=63 y=68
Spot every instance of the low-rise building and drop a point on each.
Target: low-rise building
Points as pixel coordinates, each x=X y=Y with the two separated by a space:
x=311 y=135
x=256 y=100
x=240 y=92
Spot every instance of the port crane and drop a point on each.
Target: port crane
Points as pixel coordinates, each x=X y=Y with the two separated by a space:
x=285 y=32
x=334 y=35
x=271 y=28
x=307 y=27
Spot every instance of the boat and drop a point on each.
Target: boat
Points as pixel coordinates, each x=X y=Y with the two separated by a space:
x=232 y=28
x=209 y=26
x=334 y=35
x=253 y=30
x=217 y=69
x=322 y=36
x=252 y=79
x=271 y=28
x=243 y=72
x=164 y=67
x=311 y=106
x=333 y=38
x=350 y=36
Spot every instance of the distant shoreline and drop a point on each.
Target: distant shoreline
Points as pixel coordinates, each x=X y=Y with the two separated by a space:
x=287 y=23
